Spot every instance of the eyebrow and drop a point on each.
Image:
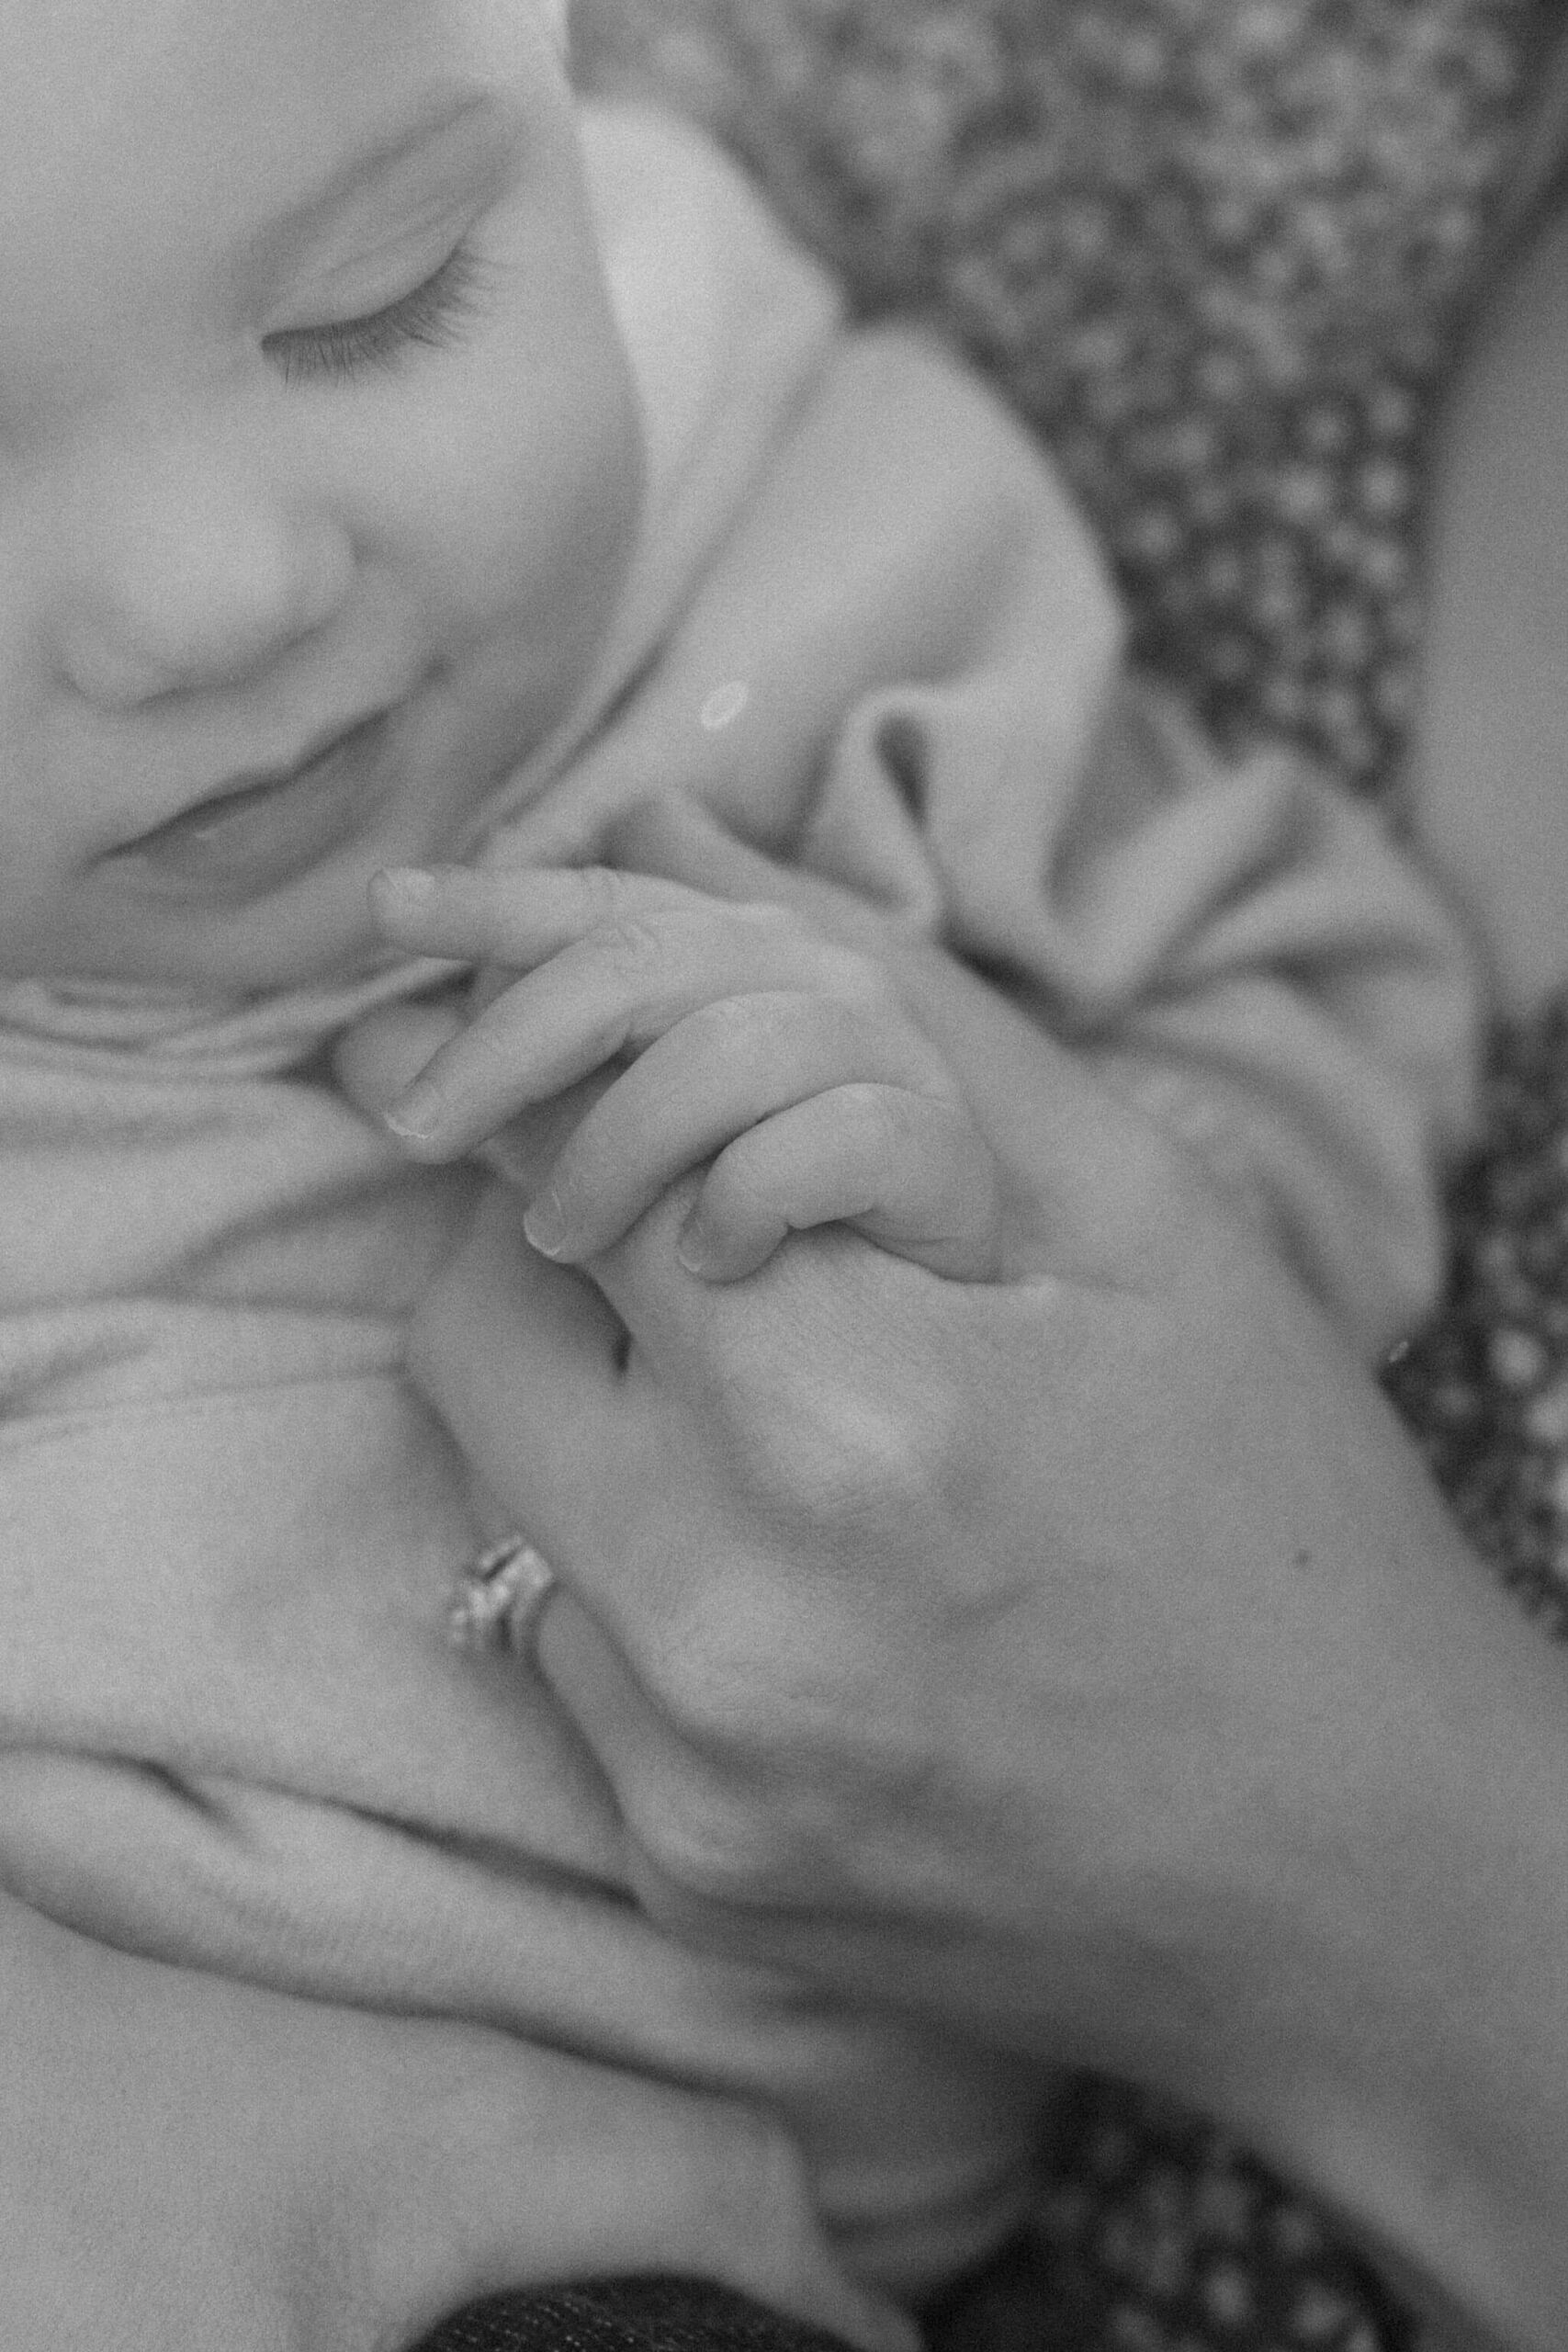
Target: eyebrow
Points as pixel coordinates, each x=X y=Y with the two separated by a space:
x=478 y=124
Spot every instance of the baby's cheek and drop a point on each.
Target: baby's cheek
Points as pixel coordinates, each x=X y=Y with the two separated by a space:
x=554 y=475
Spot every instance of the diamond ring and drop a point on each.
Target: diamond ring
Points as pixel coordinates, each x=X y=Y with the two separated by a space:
x=502 y=1599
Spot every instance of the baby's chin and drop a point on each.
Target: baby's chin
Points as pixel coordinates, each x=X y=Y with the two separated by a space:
x=268 y=890
x=323 y=936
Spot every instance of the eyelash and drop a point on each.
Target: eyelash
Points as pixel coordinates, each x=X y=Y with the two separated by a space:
x=431 y=317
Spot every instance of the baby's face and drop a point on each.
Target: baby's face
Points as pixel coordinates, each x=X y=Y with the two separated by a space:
x=318 y=463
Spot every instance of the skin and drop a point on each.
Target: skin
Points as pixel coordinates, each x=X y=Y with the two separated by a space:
x=1352 y=1950
x=188 y=2162
x=218 y=548
x=669 y=1031
x=1200 y=1780
x=223 y=535
x=1247 y=1788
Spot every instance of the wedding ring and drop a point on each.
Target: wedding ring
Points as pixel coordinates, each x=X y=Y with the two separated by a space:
x=502 y=1600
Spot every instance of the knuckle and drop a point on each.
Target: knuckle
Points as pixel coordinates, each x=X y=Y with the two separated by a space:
x=631 y=946
x=849 y=1467
x=605 y=891
x=714 y=1663
x=702 y=1843
x=832 y=1435
x=731 y=1024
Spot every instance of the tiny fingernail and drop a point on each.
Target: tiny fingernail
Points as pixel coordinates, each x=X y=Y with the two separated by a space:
x=407 y=885
x=543 y=1222
x=415 y=1115
x=693 y=1250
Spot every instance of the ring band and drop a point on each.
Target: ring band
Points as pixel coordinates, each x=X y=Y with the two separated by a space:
x=502 y=1600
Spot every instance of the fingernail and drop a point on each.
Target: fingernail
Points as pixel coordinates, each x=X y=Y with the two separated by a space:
x=415 y=1115
x=691 y=1248
x=543 y=1222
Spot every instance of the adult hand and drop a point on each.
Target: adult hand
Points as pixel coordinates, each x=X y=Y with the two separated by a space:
x=188 y=2163
x=1082 y=1658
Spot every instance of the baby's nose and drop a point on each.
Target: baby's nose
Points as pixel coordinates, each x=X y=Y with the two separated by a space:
x=188 y=575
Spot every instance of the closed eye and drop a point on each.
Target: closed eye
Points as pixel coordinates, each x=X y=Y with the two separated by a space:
x=431 y=316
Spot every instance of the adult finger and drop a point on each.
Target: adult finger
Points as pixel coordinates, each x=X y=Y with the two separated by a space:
x=596 y=1461
x=527 y=1365
x=588 y=1434
x=712 y=1858
x=910 y=1171
x=714 y=1075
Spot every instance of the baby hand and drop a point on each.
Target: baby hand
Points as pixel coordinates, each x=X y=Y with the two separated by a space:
x=700 y=1031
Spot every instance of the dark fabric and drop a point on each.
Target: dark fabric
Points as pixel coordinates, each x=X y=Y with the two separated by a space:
x=1152 y=2234
x=1485 y=1386
x=626 y=2315
x=1215 y=252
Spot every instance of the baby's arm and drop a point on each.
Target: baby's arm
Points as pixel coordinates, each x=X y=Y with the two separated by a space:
x=667 y=1031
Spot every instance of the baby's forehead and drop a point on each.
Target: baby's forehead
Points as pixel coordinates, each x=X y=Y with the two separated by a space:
x=143 y=141
x=82 y=77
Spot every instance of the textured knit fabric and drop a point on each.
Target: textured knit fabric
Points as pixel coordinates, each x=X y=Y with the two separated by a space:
x=627 y=2315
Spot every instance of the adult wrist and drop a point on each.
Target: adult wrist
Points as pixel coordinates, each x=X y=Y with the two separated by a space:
x=1411 y=2067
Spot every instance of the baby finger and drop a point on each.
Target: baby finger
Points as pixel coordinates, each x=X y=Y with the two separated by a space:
x=706 y=1080
x=911 y=1171
x=610 y=993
